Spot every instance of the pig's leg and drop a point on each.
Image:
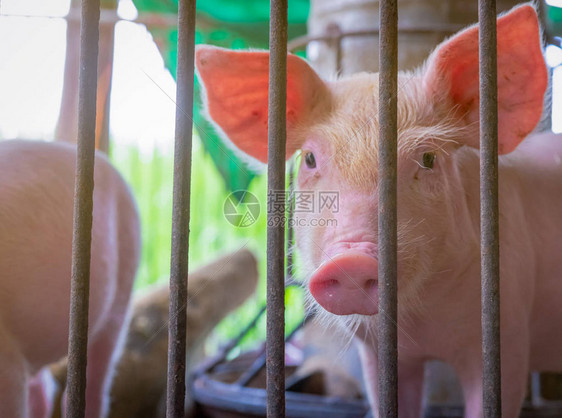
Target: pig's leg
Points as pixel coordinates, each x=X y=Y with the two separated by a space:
x=100 y=355
x=472 y=390
x=515 y=369
x=410 y=389
x=103 y=354
x=410 y=384
x=42 y=388
x=13 y=379
x=515 y=373
x=369 y=364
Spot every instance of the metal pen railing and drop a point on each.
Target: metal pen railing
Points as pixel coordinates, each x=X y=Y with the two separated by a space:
x=489 y=212
x=177 y=332
x=83 y=210
x=277 y=136
x=387 y=245
x=388 y=378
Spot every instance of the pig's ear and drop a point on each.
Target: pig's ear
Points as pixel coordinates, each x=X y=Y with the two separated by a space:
x=235 y=85
x=522 y=75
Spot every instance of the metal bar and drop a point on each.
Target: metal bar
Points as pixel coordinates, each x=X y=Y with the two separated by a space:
x=277 y=135
x=388 y=352
x=180 y=214
x=489 y=214
x=441 y=29
x=225 y=351
x=260 y=361
x=83 y=208
x=536 y=390
x=335 y=35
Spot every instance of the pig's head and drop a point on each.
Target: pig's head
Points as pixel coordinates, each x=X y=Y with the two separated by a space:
x=334 y=124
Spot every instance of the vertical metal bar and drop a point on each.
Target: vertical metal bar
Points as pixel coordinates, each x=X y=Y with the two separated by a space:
x=339 y=55
x=489 y=215
x=180 y=214
x=388 y=352
x=277 y=135
x=83 y=207
x=336 y=38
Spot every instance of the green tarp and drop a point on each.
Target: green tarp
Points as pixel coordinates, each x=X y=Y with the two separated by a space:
x=230 y=24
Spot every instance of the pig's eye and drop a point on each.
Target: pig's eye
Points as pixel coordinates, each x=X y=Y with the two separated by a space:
x=428 y=159
x=309 y=160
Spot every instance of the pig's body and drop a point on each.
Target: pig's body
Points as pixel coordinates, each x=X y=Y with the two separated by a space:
x=335 y=125
x=36 y=212
x=448 y=326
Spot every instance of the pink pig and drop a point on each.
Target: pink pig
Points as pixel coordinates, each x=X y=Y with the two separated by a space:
x=36 y=211
x=334 y=124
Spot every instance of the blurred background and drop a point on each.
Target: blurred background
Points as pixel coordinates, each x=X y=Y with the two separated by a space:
x=39 y=50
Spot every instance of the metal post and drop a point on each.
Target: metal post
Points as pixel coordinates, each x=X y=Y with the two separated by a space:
x=277 y=132
x=180 y=215
x=489 y=214
x=83 y=208
x=388 y=352
x=336 y=35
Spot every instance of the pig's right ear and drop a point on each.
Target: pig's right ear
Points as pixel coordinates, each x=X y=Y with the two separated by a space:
x=235 y=85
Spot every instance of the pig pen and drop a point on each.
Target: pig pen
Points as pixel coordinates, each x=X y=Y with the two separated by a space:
x=275 y=353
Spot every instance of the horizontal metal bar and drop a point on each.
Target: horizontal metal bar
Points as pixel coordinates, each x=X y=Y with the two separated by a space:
x=443 y=28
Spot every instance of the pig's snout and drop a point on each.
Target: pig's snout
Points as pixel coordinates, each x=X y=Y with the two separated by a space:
x=347 y=284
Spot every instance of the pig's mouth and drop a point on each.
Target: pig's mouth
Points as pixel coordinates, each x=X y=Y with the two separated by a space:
x=347 y=284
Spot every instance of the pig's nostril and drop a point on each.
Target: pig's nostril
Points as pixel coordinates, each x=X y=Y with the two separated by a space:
x=331 y=284
x=370 y=284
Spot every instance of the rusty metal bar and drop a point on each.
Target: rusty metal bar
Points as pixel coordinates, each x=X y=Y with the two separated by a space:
x=277 y=135
x=388 y=352
x=260 y=361
x=83 y=209
x=442 y=29
x=180 y=214
x=334 y=33
x=489 y=214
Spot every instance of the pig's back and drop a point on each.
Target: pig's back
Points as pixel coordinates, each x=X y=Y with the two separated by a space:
x=539 y=160
x=542 y=151
x=538 y=164
x=36 y=217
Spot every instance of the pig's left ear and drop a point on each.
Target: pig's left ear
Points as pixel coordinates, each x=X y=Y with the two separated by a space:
x=235 y=85
x=522 y=75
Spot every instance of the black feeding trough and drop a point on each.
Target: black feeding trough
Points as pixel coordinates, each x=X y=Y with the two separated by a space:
x=236 y=388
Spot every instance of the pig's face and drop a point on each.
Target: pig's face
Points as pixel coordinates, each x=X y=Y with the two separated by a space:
x=340 y=153
x=335 y=127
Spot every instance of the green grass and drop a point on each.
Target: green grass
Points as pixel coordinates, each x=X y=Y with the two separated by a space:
x=211 y=235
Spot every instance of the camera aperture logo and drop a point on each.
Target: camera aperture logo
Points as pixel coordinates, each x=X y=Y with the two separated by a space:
x=241 y=208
